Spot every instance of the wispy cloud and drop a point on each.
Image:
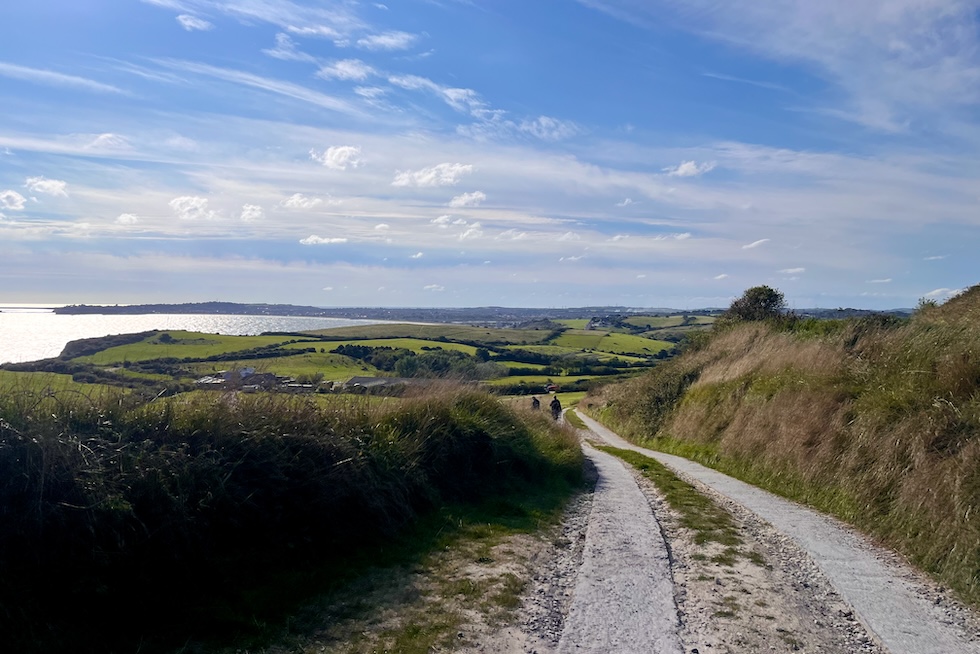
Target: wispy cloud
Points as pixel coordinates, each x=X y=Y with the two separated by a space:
x=51 y=78
x=338 y=157
x=792 y=271
x=625 y=203
x=434 y=287
x=393 y=40
x=279 y=87
x=721 y=276
x=894 y=59
x=755 y=244
x=417 y=255
x=938 y=257
x=472 y=232
x=286 y=50
x=193 y=23
x=547 y=128
x=943 y=292
x=473 y=199
x=346 y=69
x=880 y=281
x=444 y=174
x=690 y=169
x=741 y=80
x=127 y=219
x=313 y=239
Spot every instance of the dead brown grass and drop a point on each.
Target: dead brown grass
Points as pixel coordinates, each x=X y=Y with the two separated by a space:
x=875 y=421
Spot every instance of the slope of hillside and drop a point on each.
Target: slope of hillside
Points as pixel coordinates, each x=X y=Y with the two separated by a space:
x=875 y=420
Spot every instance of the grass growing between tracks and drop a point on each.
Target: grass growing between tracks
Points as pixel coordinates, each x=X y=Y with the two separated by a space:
x=709 y=522
x=132 y=524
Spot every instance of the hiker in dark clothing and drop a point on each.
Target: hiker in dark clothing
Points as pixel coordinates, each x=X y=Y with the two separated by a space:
x=555 y=408
x=535 y=403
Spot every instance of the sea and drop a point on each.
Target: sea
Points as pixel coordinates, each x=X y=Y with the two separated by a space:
x=29 y=332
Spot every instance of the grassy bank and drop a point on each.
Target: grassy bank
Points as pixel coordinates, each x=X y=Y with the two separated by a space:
x=131 y=525
x=874 y=420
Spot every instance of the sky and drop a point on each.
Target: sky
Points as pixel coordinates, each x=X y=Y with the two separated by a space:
x=452 y=153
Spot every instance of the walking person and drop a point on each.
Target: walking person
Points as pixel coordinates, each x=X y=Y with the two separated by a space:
x=555 y=408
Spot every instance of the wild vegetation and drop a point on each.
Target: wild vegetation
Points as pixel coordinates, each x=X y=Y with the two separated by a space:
x=874 y=419
x=130 y=524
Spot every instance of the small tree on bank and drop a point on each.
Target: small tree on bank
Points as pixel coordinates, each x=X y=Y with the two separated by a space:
x=756 y=303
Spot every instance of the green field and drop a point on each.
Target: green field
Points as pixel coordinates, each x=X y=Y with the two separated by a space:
x=433 y=332
x=539 y=380
x=613 y=343
x=662 y=322
x=333 y=367
x=184 y=345
x=416 y=345
x=574 y=323
x=13 y=382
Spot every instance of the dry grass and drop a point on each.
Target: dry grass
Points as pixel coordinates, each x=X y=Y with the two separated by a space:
x=873 y=420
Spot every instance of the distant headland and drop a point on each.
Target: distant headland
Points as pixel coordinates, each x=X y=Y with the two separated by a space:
x=422 y=314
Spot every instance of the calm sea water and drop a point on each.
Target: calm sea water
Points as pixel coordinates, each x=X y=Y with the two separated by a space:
x=28 y=333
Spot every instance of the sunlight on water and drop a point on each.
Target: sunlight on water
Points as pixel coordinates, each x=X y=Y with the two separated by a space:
x=31 y=332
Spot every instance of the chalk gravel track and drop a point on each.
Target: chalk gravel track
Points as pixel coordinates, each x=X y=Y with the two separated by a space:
x=823 y=588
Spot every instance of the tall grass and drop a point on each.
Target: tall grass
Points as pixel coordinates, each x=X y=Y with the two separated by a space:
x=875 y=420
x=126 y=524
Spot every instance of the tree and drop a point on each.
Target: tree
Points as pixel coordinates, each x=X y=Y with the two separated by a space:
x=756 y=303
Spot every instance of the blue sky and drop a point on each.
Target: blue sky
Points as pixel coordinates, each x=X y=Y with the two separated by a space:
x=552 y=153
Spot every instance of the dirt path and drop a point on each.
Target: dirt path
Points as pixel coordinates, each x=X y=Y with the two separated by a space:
x=624 y=594
x=821 y=574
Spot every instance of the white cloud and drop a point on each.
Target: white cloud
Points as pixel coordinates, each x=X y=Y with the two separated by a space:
x=682 y=236
x=444 y=174
x=463 y=100
x=192 y=23
x=251 y=213
x=512 y=234
x=755 y=244
x=47 y=186
x=346 y=69
x=434 y=287
x=327 y=288
x=939 y=257
x=287 y=89
x=569 y=236
x=370 y=92
x=549 y=129
x=473 y=232
x=721 y=276
x=190 y=207
x=12 y=200
x=792 y=271
x=382 y=227
x=417 y=255
x=320 y=240
x=108 y=141
x=127 y=219
x=393 y=40
x=641 y=276
x=338 y=157
x=690 y=169
x=442 y=221
x=300 y=201
x=459 y=221
x=619 y=237
x=286 y=50
x=944 y=292
x=572 y=259
x=51 y=78
x=473 y=199
x=880 y=281
x=625 y=203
